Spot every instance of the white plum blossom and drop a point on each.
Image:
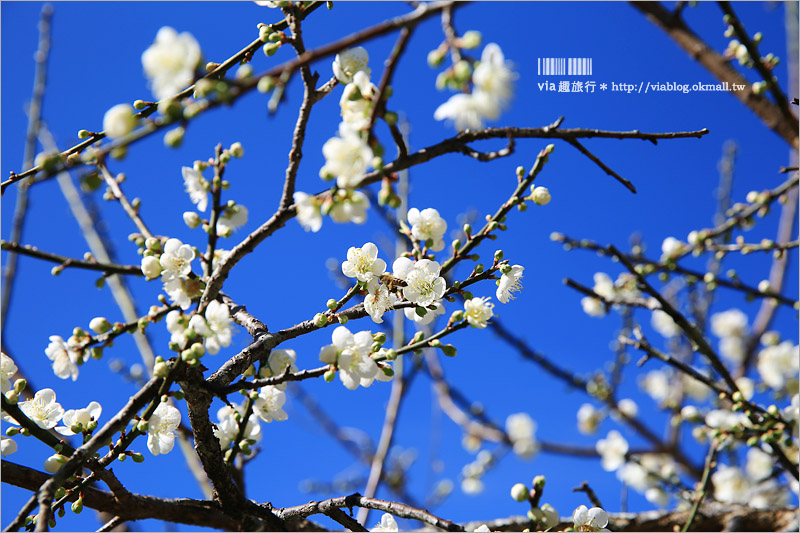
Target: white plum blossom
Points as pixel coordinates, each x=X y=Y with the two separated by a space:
x=424 y=285
x=656 y=384
x=433 y=311
x=151 y=267
x=493 y=75
x=427 y=224
x=378 y=300
x=43 y=409
x=351 y=354
x=161 y=429
x=731 y=323
x=7 y=446
x=119 y=121
x=176 y=261
x=347 y=157
x=731 y=485
x=177 y=291
x=594 y=519
x=478 y=311
x=7 y=371
x=467 y=111
x=196 y=186
x=231 y=219
x=612 y=450
x=227 y=429
x=278 y=361
x=269 y=404
x=169 y=63
x=64 y=358
x=593 y=307
x=521 y=430
x=308 y=214
x=589 y=418
x=483 y=528
x=356 y=103
x=627 y=407
x=779 y=363
x=603 y=286
x=387 y=523
x=725 y=419
x=352 y=208
x=509 y=283
x=178 y=326
x=363 y=263
x=350 y=61
x=664 y=324
x=471 y=485
x=493 y=87
x=759 y=464
x=82 y=417
x=215 y=327
x=671 y=247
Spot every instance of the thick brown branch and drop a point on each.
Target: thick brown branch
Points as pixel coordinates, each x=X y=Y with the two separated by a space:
x=684 y=37
x=68 y=262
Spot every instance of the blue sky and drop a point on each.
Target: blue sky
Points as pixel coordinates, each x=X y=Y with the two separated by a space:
x=95 y=63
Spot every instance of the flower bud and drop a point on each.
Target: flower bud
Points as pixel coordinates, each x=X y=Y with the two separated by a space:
x=541 y=196
x=142 y=426
x=330 y=375
x=137 y=457
x=53 y=463
x=471 y=39
x=84 y=134
x=191 y=219
x=538 y=483
x=270 y=49
x=174 y=138
x=764 y=286
x=519 y=492
x=449 y=350
x=160 y=369
x=320 y=320
x=265 y=84
x=342 y=319
x=435 y=58
x=236 y=150
x=19 y=385
x=379 y=337
x=99 y=324
x=331 y=304
x=77 y=506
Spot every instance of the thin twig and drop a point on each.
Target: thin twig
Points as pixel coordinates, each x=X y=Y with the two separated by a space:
x=70 y=262
x=712 y=451
x=34 y=123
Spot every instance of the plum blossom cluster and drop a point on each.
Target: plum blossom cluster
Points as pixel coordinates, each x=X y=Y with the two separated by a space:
x=485 y=89
x=173 y=263
x=753 y=485
x=194 y=336
x=358 y=358
x=170 y=62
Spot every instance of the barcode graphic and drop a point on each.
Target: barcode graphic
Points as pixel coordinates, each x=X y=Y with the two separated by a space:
x=561 y=66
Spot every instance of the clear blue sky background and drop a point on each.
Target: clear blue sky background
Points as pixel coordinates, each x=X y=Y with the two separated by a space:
x=95 y=64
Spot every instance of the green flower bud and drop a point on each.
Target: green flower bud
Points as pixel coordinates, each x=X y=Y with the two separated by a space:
x=77 y=506
x=331 y=304
x=449 y=350
x=330 y=375
x=137 y=457
x=236 y=150
x=270 y=49
x=471 y=39
x=142 y=426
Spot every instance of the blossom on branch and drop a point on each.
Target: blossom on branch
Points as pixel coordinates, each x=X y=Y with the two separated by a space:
x=161 y=429
x=169 y=63
x=196 y=186
x=350 y=61
x=509 y=282
x=478 y=311
x=215 y=327
x=308 y=214
x=424 y=286
x=351 y=354
x=77 y=420
x=427 y=225
x=227 y=429
x=42 y=409
x=347 y=157
x=363 y=263
x=65 y=359
x=7 y=371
